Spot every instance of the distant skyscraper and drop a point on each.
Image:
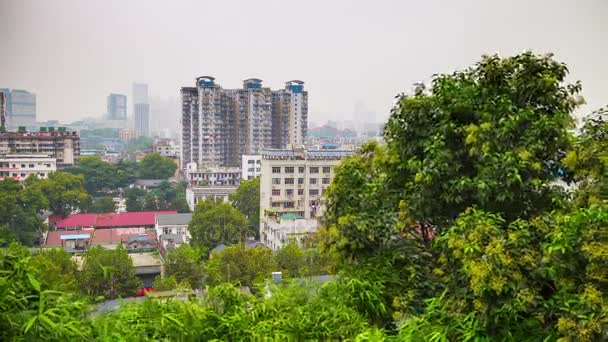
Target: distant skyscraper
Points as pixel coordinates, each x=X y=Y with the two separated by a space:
x=142 y=118
x=141 y=108
x=117 y=107
x=19 y=108
x=140 y=93
x=220 y=125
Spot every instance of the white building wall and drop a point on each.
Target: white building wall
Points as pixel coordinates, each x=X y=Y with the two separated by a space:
x=20 y=167
x=292 y=185
x=251 y=166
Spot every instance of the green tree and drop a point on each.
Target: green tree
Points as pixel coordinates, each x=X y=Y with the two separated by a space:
x=103 y=205
x=65 y=192
x=185 y=264
x=30 y=311
x=461 y=212
x=98 y=174
x=134 y=199
x=56 y=270
x=139 y=144
x=290 y=260
x=19 y=212
x=241 y=265
x=109 y=273
x=247 y=201
x=216 y=222
x=155 y=166
x=126 y=173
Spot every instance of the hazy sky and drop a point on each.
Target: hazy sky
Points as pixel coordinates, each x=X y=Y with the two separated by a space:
x=349 y=53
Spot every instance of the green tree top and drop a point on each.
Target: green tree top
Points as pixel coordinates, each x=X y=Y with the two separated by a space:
x=241 y=265
x=216 y=222
x=155 y=166
x=246 y=199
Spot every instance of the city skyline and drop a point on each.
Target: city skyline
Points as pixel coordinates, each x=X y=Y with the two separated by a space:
x=348 y=53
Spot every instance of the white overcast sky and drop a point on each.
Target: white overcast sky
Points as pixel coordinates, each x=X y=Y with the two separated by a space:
x=73 y=53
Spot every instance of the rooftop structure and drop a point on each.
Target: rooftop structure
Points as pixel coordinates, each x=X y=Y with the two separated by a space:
x=145 y=219
x=20 y=166
x=58 y=143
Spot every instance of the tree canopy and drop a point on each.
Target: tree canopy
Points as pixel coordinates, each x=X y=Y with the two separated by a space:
x=463 y=203
x=109 y=273
x=185 y=265
x=216 y=222
x=155 y=166
x=239 y=264
x=246 y=199
x=100 y=175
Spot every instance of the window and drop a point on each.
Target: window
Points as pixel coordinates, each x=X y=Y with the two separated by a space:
x=276 y=169
x=276 y=181
x=300 y=181
x=300 y=191
x=313 y=192
x=325 y=181
x=250 y=169
x=301 y=169
x=288 y=169
x=289 y=181
x=313 y=169
x=313 y=181
x=250 y=161
x=289 y=192
x=31 y=165
x=288 y=205
x=258 y=162
x=276 y=192
x=326 y=169
x=22 y=165
x=275 y=204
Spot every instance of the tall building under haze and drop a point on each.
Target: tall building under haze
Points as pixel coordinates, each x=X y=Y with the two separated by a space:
x=19 y=108
x=117 y=107
x=220 y=125
x=141 y=109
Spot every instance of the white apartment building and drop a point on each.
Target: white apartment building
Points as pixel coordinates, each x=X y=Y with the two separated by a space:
x=251 y=166
x=292 y=184
x=194 y=194
x=213 y=175
x=20 y=166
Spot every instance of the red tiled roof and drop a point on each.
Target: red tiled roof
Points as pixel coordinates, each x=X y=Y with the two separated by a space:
x=111 y=220
x=117 y=235
x=53 y=238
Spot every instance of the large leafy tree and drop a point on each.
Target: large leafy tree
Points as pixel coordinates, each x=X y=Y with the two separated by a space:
x=29 y=309
x=241 y=265
x=103 y=205
x=246 y=199
x=216 y=222
x=56 y=270
x=155 y=166
x=290 y=260
x=493 y=138
x=19 y=212
x=98 y=175
x=109 y=273
x=185 y=264
x=134 y=199
x=65 y=192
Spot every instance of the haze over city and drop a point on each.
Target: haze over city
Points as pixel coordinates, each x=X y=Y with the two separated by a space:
x=353 y=56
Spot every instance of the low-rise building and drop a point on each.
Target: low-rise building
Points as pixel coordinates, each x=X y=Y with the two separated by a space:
x=167 y=148
x=251 y=166
x=172 y=230
x=61 y=144
x=20 y=166
x=213 y=176
x=194 y=194
x=290 y=227
x=143 y=220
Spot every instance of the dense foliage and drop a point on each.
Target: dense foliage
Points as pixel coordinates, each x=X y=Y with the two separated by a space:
x=102 y=176
x=463 y=203
x=22 y=207
x=155 y=166
x=484 y=217
x=216 y=222
x=247 y=201
x=108 y=273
